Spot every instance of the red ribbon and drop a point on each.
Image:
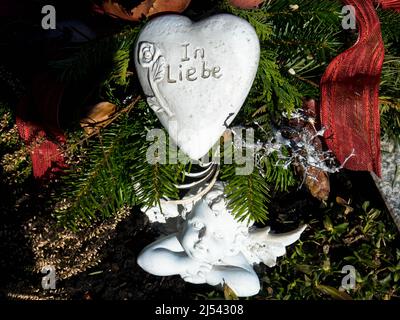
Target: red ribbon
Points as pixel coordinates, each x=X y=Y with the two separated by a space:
x=390 y=4
x=350 y=93
x=37 y=122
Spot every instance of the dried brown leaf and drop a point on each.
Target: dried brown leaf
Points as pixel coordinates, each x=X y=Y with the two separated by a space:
x=344 y=203
x=146 y=8
x=229 y=294
x=97 y=117
x=246 y=4
x=317 y=182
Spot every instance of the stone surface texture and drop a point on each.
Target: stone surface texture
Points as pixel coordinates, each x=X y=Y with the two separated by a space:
x=389 y=184
x=196 y=76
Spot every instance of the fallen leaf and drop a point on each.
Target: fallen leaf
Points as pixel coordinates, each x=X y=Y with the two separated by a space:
x=97 y=117
x=316 y=181
x=229 y=294
x=344 y=203
x=341 y=201
x=146 y=8
x=246 y=4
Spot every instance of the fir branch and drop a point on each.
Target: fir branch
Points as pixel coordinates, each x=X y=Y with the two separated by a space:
x=97 y=186
x=272 y=89
x=390 y=97
x=390 y=79
x=390 y=119
x=153 y=182
x=97 y=183
x=390 y=26
x=276 y=174
x=305 y=39
x=247 y=195
x=106 y=59
x=121 y=61
x=104 y=125
x=327 y=12
x=257 y=18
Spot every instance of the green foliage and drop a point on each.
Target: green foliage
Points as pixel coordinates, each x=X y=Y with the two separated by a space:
x=301 y=40
x=272 y=90
x=153 y=181
x=390 y=80
x=390 y=26
x=313 y=26
x=363 y=238
x=304 y=39
x=111 y=171
x=390 y=97
x=257 y=18
x=247 y=194
x=359 y=236
x=276 y=174
x=390 y=119
x=106 y=60
x=97 y=184
x=15 y=164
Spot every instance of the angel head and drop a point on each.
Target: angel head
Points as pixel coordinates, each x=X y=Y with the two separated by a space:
x=210 y=232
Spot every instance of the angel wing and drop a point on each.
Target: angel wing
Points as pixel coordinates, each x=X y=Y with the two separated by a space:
x=265 y=246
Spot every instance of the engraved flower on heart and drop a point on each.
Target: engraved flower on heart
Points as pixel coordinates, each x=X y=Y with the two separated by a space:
x=147 y=54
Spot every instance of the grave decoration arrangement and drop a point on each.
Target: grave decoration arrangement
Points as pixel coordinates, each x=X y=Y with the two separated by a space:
x=233 y=143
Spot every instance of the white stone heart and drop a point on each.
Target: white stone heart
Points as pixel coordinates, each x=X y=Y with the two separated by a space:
x=196 y=76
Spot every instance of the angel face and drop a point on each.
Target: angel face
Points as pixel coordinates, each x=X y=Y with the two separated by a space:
x=209 y=235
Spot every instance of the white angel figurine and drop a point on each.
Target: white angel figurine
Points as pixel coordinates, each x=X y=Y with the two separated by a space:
x=212 y=247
